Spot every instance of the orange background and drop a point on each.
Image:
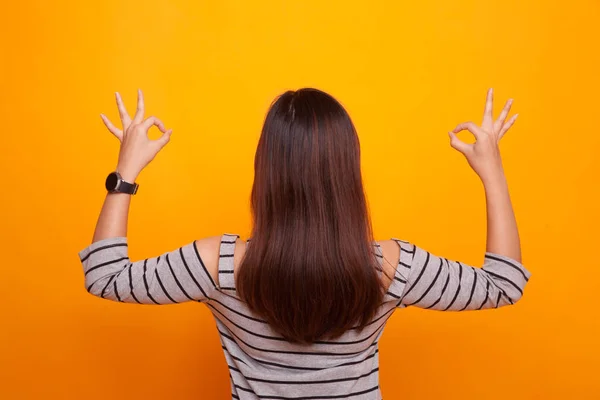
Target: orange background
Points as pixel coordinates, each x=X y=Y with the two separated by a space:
x=407 y=72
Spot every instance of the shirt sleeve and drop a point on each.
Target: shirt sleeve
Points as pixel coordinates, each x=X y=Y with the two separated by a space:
x=172 y=277
x=437 y=283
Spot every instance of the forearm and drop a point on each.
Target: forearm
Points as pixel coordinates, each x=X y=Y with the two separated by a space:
x=502 y=231
x=112 y=221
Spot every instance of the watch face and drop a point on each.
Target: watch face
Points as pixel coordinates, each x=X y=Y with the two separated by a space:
x=111 y=181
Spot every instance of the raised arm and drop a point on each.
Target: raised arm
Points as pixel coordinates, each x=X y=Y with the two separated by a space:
x=172 y=277
x=135 y=152
x=484 y=157
x=428 y=281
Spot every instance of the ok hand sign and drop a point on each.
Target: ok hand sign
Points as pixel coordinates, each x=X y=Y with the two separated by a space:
x=137 y=150
x=484 y=155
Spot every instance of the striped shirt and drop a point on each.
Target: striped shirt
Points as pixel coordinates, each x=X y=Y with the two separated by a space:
x=262 y=364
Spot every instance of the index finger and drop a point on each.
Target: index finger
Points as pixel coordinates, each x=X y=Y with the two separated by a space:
x=148 y=122
x=469 y=126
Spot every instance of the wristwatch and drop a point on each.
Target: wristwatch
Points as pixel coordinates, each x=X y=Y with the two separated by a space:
x=115 y=184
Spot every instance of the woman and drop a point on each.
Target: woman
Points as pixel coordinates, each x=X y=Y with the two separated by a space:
x=300 y=307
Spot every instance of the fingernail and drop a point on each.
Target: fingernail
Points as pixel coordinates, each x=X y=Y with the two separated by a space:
x=516 y=116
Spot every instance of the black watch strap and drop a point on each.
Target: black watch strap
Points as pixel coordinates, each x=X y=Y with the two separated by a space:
x=126 y=187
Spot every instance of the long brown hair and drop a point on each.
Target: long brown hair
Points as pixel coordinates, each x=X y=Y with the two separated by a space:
x=309 y=268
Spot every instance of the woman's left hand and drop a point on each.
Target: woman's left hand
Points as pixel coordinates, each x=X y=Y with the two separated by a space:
x=137 y=150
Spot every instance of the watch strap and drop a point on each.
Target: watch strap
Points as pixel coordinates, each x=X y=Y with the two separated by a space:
x=126 y=187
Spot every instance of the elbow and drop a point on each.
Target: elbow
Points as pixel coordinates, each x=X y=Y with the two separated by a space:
x=508 y=276
x=100 y=288
x=519 y=295
x=516 y=298
x=510 y=296
x=522 y=284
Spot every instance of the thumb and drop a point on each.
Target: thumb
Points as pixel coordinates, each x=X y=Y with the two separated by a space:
x=458 y=144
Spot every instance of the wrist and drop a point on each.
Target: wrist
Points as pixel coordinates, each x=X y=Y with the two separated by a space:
x=492 y=173
x=494 y=180
x=127 y=174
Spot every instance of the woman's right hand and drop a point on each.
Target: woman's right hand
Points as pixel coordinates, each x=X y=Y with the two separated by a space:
x=484 y=155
